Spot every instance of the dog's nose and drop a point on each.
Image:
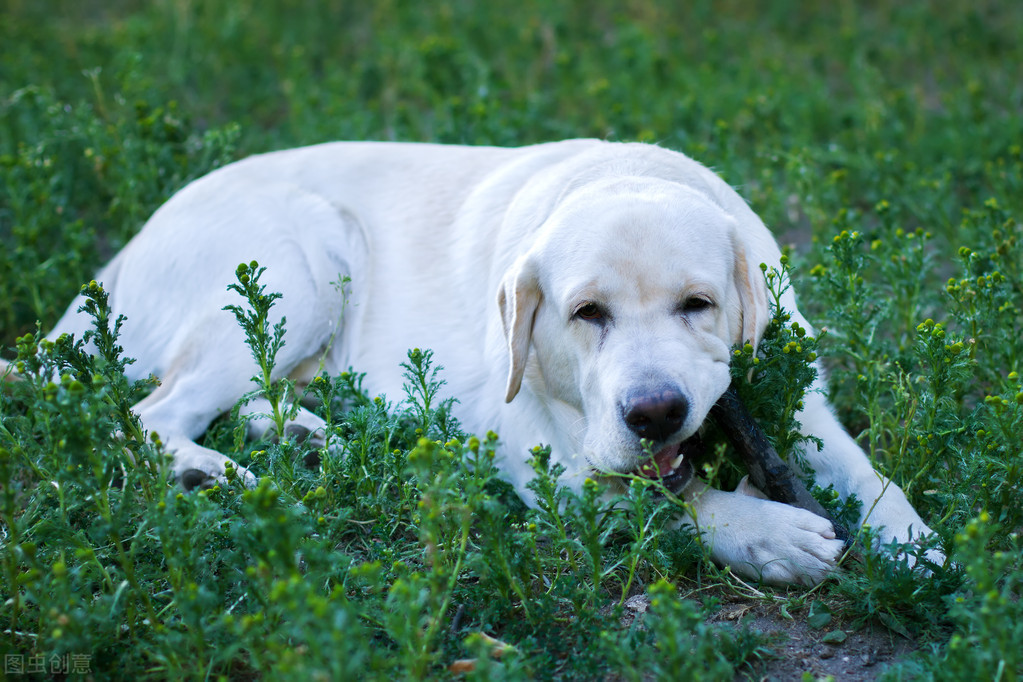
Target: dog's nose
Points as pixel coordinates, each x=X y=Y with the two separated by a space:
x=655 y=415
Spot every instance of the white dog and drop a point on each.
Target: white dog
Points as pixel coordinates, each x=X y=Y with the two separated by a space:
x=582 y=294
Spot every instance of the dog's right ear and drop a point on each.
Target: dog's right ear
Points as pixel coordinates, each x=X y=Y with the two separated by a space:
x=754 y=310
x=518 y=300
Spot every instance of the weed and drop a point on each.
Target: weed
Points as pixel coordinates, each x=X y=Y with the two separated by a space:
x=264 y=346
x=882 y=141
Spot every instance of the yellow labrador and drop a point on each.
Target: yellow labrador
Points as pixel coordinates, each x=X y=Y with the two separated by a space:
x=582 y=293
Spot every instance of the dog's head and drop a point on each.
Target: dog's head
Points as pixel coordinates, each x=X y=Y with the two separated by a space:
x=625 y=310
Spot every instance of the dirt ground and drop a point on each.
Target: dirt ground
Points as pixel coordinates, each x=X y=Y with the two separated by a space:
x=862 y=655
x=845 y=654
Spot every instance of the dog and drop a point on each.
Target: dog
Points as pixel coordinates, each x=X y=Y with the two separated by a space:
x=582 y=294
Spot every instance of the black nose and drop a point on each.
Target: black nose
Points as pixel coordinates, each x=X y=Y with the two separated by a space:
x=655 y=415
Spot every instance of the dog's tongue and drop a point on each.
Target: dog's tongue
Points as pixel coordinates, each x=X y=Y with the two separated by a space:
x=661 y=465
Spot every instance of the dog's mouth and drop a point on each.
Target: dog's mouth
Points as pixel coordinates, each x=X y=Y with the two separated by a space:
x=672 y=466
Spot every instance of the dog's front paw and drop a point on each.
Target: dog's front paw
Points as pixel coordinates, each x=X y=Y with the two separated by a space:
x=192 y=479
x=774 y=543
x=196 y=467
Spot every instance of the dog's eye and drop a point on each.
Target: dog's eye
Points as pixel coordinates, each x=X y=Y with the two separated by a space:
x=591 y=312
x=695 y=304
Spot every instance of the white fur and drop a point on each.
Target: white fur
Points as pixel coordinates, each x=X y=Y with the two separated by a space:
x=484 y=255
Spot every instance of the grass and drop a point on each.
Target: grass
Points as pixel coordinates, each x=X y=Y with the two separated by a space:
x=882 y=142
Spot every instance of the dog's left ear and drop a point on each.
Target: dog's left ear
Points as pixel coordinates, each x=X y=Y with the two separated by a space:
x=518 y=299
x=754 y=312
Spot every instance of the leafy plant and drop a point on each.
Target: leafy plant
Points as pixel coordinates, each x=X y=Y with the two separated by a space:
x=264 y=346
x=881 y=142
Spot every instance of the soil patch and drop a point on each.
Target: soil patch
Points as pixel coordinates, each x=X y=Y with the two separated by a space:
x=801 y=644
x=852 y=655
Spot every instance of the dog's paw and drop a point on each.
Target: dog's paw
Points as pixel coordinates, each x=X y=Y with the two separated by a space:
x=198 y=479
x=775 y=543
x=304 y=429
x=196 y=467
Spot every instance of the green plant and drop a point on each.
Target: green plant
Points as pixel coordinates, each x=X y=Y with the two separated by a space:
x=264 y=346
x=881 y=142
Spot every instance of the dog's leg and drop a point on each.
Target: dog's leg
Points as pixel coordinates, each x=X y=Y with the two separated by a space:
x=209 y=372
x=170 y=283
x=775 y=543
x=843 y=464
x=178 y=411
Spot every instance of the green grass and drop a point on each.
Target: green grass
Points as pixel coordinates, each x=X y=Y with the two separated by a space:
x=882 y=142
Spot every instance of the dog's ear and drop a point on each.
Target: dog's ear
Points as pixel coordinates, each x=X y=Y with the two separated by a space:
x=518 y=299
x=754 y=312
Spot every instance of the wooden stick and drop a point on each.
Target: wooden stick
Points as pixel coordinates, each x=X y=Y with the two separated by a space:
x=767 y=470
